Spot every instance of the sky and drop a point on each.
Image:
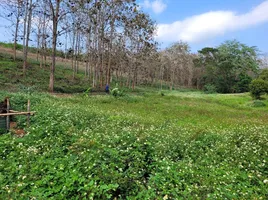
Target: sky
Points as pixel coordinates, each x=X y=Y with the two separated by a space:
x=202 y=23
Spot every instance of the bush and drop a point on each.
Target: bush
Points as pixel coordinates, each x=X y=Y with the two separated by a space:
x=258 y=87
x=257 y=103
x=162 y=93
x=210 y=89
x=117 y=93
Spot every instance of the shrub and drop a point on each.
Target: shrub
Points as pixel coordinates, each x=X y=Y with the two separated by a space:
x=162 y=93
x=117 y=93
x=257 y=103
x=258 y=87
x=210 y=89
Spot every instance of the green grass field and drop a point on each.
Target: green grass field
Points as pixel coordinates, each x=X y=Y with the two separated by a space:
x=183 y=145
x=144 y=145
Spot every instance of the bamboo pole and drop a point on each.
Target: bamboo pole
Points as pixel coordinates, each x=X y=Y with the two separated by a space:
x=17 y=113
x=13 y=111
x=28 y=115
x=8 y=116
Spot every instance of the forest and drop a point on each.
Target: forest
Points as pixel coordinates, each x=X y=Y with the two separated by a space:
x=113 y=42
x=175 y=124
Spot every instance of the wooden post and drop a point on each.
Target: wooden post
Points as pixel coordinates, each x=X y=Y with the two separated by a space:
x=28 y=115
x=8 y=117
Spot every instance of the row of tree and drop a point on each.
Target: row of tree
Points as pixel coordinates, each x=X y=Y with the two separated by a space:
x=102 y=31
x=114 y=41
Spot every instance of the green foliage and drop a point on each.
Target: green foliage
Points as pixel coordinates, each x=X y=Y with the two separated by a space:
x=210 y=89
x=264 y=75
x=258 y=103
x=258 y=87
x=19 y=47
x=242 y=84
x=106 y=148
x=87 y=92
x=117 y=93
x=26 y=89
x=11 y=45
x=227 y=66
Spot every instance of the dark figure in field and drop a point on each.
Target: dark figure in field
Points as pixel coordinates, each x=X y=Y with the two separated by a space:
x=107 y=89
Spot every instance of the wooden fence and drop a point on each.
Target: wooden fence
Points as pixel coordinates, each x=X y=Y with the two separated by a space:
x=9 y=113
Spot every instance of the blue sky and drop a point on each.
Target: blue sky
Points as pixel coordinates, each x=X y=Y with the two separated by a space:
x=210 y=22
x=202 y=23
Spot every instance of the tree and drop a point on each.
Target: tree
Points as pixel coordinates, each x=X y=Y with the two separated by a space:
x=13 y=11
x=112 y=38
x=179 y=64
x=228 y=66
x=264 y=61
x=264 y=75
x=58 y=12
x=28 y=11
x=258 y=87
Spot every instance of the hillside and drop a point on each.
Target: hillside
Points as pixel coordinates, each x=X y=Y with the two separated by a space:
x=183 y=145
x=144 y=145
x=11 y=76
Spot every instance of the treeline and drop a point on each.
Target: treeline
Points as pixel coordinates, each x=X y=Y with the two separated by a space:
x=113 y=41
x=110 y=35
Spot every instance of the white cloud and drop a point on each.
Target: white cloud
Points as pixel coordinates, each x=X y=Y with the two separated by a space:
x=146 y=4
x=158 y=6
x=211 y=24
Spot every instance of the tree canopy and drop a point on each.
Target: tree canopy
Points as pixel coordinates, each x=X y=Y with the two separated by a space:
x=228 y=66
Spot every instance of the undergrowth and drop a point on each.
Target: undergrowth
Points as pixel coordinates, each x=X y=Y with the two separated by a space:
x=136 y=147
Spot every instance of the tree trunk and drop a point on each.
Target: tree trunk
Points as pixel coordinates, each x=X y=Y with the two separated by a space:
x=29 y=22
x=38 y=38
x=73 y=53
x=24 y=37
x=108 y=78
x=54 y=44
x=17 y=29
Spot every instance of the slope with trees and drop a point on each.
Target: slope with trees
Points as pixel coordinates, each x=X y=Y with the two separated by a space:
x=113 y=42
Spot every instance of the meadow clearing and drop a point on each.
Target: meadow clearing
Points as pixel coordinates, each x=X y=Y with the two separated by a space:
x=180 y=145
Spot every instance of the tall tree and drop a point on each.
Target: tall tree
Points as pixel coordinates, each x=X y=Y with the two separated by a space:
x=58 y=11
x=27 y=30
x=180 y=64
x=228 y=67
x=13 y=11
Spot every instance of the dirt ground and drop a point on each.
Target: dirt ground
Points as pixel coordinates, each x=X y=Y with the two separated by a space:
x=59 y=61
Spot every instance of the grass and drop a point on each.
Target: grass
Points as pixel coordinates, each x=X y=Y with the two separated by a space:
x=184 y=145
x=144 y=145
x=190 y=108
x=11 y=45
x=12 y=79
x=19 y=47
